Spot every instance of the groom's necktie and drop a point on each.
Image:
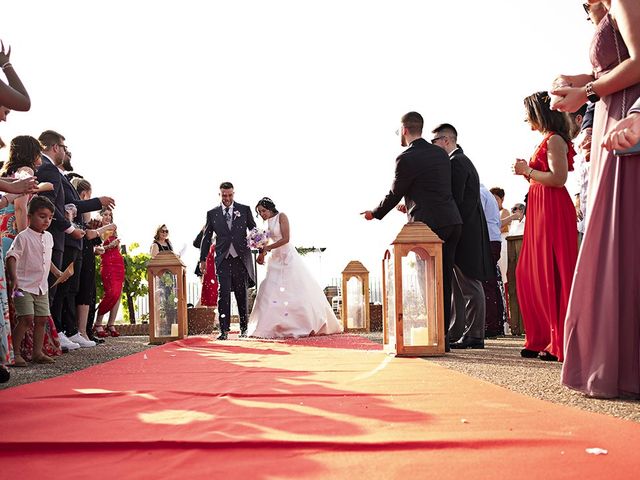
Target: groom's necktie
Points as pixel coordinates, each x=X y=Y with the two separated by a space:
x=227 y=217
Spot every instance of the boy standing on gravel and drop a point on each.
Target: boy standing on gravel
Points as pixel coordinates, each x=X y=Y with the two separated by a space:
x=28 y=265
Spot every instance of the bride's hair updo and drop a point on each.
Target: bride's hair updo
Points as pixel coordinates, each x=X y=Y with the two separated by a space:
x=266 y=202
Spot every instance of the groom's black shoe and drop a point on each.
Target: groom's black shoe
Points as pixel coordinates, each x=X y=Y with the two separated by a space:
x=243 y=334
x=222 y=336
x=468 y=343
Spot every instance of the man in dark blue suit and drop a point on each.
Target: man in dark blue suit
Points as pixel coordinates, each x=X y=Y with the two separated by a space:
x=67 y=237
x=54 y=150
x=230 y=222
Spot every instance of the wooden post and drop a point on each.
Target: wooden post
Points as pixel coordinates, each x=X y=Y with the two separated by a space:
x=514 y=245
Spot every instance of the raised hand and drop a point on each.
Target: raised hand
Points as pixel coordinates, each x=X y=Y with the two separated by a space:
x=78 y=233
x=624 y=134
x=25 y=185
x=568 y=99
x=107 y=202
x=520 y=167
x=368 y=215
x=4 y=56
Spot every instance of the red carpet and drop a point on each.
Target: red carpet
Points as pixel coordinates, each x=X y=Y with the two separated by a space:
x=325 y=407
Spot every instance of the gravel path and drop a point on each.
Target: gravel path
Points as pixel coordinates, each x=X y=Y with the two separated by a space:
x=499 y=363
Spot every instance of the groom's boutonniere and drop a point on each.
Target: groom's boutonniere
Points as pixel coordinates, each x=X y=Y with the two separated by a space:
x=237 y=214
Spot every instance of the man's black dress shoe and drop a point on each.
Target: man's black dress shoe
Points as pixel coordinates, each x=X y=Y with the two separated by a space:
x=222 y=336
x=491 y=334
x=468 y=343
x=243 y=334
x=4 y=374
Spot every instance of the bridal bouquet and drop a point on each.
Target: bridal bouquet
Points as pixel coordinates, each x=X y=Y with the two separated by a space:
x=257 y=238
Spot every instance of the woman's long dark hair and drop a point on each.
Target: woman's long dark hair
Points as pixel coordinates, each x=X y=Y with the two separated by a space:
x=23 y=152
x=266 y=202
x=545 y=120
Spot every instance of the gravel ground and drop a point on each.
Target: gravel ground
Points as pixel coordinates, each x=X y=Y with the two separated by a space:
x=499 y=363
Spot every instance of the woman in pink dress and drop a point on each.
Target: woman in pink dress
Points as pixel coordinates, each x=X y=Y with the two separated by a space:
x=602 y=333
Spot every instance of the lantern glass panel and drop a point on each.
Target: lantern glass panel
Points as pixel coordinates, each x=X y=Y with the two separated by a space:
x=417 y=329
x=166 y=305
x=391 y=298
x=355 y=303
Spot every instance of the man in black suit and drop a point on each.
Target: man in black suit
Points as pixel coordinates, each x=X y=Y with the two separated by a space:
x=230 y=222
x=423 y=178
x=64 y=303
x=473 y=260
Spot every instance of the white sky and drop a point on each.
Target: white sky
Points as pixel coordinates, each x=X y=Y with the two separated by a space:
x=161 y=101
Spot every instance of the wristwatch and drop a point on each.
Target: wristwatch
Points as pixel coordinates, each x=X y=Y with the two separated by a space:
x=591 y=95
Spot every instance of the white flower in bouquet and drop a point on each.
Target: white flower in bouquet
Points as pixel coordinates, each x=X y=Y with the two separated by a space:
x=257 y=238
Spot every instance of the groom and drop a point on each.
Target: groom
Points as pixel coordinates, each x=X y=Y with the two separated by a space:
x=234 y=265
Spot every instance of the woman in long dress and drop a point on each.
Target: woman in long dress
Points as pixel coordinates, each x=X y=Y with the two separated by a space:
x=602 y=332
x=112 y=272
x=290 y=303
x=550 y=243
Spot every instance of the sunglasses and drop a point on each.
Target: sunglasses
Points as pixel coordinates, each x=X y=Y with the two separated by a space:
x=433 y=140
x=164 y=231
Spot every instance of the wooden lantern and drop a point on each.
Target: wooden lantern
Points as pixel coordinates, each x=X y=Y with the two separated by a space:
x=167 y=278
x=413 y=314
x=355 y=298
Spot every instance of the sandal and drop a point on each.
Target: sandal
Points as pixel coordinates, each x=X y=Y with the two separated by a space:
x=111 y=330
x=18 y=361
x=99 y=331
x=43 y=359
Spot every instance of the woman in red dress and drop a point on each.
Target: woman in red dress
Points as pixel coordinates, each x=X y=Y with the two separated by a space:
x=209 y=297
x=550 y=244
x=112 y=272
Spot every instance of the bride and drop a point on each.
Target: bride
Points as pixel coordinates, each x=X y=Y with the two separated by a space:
x=290 y=303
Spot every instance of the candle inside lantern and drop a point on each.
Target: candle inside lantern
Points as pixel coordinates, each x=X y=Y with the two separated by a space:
x=174 y=329
x=419 y=336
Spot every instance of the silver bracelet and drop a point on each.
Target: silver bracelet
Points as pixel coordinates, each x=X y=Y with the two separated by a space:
x=7 y=64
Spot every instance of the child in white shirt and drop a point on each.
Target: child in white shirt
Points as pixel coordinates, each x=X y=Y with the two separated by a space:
x=28 y=264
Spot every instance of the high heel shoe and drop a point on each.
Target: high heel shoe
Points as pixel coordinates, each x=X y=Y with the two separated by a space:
x=99 y=331
x=111 y=330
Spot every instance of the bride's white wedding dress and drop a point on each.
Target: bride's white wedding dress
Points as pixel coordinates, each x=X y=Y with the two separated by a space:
x=290 y=303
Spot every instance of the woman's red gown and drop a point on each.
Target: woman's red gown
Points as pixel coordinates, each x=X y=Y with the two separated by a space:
x=209 y=296
x=547 y=260
x=112 y=273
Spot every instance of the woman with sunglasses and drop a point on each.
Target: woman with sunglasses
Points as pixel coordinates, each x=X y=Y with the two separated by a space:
x=161 y=241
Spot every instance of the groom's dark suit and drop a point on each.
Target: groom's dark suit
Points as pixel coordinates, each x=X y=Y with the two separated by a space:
x=423 y=178
x=234 y=273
